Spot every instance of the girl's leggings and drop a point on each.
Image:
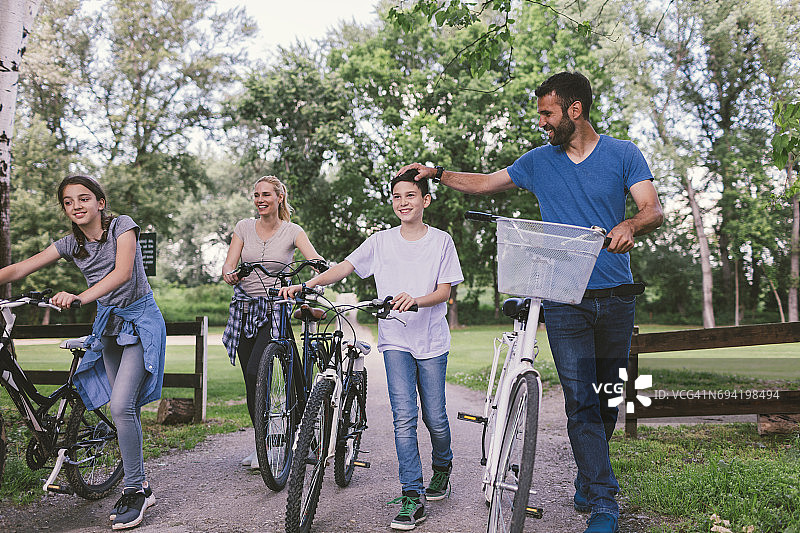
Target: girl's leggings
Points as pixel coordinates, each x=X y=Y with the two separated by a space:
x=126 y=374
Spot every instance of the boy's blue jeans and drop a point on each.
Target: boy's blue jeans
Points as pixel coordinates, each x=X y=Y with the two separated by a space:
x=590 y=342
x=404 y=376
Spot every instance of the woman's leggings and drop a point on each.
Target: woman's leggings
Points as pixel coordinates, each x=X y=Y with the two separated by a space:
x=250 y=352
x=126 y=374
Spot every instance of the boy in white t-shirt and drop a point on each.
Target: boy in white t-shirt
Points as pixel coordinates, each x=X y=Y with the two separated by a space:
x=417 y=264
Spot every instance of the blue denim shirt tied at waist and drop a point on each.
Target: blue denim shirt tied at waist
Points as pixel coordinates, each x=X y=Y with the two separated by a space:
x=142 y=320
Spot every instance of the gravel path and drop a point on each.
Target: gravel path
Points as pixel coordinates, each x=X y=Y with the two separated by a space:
x=206 y=489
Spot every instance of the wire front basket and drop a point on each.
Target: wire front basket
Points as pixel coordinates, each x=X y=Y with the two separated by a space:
x=545 y=260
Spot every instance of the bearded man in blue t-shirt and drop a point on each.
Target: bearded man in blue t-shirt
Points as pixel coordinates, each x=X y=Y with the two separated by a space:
x=582 y=178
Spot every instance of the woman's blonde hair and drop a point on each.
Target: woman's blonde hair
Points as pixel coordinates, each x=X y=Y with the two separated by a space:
x=284 y=209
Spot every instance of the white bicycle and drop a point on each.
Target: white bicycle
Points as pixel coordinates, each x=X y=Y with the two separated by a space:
x=539 y=261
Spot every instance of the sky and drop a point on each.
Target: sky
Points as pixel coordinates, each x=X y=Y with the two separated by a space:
x=281 y=22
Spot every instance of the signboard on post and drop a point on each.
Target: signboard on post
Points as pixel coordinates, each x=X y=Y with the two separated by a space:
x=148 y=243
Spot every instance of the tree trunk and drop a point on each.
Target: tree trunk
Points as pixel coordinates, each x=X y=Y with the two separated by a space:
x=452 y=310
x=736 y=292
x=16 y=19
x=705 y=256
x=777 y=298
x=794 y=274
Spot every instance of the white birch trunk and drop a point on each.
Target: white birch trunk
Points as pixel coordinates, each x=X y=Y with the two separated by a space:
x=794 y=263
x=705 y=256
x=16 y=19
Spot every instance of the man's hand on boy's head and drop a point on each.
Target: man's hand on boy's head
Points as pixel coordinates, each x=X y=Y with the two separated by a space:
x=403 y=302
x=424 y=172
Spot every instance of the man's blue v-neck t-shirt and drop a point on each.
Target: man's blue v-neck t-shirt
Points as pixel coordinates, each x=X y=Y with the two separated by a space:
x=589 y=193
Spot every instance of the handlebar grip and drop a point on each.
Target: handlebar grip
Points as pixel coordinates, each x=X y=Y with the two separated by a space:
x=606 y=242
x=414 y=308
x=75 y=304
x=482 y=217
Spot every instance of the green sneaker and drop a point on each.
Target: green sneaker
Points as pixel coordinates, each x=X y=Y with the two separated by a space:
x=412 y=511
x=440 y=483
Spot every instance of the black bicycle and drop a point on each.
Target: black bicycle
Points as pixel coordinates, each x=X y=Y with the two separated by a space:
x=284 y=373
x=338 y=400
x=83 y=443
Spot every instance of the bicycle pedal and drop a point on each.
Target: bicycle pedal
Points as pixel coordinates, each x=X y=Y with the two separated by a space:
x=472 y=418
x=362 y=464
x=534 y=512
x=60 y=489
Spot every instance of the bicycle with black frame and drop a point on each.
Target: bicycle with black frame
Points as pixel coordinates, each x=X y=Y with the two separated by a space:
x=83 y=443
x=338 y=400
x=285 y=372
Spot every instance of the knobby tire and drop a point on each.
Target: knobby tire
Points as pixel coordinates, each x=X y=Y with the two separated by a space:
x=92 y=443
x=275 y=424
x=351 y=425
x=517 y=455
x=311 y=450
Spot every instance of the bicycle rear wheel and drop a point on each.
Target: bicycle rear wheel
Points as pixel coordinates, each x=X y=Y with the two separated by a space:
x=95 y=466
x=312 y=449
x=274 y=422
x=352 y=424
x=517 y=454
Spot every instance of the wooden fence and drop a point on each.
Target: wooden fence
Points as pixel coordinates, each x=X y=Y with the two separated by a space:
x=787 y=402
x=197 y=380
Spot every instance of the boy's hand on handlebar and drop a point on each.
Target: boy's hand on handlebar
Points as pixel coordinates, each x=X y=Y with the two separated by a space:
x=287 y=293
x=403 y=302
x=63 y=299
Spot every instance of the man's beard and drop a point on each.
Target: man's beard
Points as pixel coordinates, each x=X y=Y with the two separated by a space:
x=563 y=131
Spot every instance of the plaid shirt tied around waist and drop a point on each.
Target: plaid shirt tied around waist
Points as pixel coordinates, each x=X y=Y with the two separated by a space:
x=247 y=315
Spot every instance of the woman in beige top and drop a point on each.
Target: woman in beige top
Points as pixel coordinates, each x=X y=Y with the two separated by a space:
x=270 y=237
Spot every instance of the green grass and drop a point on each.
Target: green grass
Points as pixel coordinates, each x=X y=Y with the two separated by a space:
x=687 y=474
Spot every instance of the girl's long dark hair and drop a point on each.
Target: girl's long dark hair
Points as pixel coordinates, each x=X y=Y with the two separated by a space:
x=105 y=218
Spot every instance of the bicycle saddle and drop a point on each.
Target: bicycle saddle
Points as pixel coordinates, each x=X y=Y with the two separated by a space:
x=517 y=308
x=307 y=313
x=72 y=344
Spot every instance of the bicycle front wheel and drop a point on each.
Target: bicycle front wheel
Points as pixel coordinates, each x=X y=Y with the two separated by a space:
x=517 y=454
x=352 y=424
x=312 y=449
x=275 y=424
x=95 y=466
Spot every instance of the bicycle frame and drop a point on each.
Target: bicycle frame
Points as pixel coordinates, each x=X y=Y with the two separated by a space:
x=522 y=351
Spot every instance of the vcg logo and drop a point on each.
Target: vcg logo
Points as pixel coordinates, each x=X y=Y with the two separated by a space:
x=641 y=383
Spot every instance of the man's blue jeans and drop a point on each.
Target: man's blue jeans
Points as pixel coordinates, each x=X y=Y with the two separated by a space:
x=590 y=342
x=404 y=376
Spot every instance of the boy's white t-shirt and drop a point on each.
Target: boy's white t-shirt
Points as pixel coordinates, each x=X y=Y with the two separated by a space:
x=414 y=267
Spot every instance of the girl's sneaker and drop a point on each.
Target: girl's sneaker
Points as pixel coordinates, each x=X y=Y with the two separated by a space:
x=130 y=509
x=149 y=501
x=412 y=511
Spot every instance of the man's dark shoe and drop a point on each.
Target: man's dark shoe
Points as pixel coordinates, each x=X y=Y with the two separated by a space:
x=602 y=523
x=440 y=483
x=149 y=501
x=130 y=509
x=412 y=511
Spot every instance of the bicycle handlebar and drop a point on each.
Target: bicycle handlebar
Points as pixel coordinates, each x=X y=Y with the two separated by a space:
x=245 y=268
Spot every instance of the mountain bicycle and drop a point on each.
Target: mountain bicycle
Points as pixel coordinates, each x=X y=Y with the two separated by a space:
x=539 y=261
x=285 y=373
x=338 y=400
x=83 y=443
